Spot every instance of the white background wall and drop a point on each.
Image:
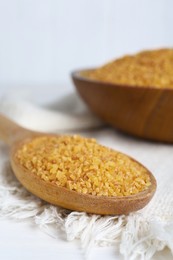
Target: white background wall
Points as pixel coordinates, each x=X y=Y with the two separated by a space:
x=42 y=41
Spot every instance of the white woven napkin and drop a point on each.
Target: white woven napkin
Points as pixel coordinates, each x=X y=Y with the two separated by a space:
x=137 y=236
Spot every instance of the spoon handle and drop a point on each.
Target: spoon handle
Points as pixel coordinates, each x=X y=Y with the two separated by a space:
x=10 y=131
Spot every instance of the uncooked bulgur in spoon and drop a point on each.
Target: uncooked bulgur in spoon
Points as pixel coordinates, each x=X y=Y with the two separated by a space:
x=76 y=172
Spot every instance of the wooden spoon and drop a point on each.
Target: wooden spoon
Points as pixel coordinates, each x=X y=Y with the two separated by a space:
x=15 y=136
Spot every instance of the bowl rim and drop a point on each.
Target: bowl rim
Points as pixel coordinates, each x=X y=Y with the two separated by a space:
x=76 y=74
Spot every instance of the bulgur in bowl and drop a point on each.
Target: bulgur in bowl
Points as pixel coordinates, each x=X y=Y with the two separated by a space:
x=133 y=94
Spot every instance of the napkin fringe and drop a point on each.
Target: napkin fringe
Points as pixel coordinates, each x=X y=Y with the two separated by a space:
x=136 y=236
x=139 y=239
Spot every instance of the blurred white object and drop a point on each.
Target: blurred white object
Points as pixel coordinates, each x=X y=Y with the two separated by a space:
x=69 y=113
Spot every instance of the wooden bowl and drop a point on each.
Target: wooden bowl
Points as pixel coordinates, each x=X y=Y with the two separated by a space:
x=145 y=112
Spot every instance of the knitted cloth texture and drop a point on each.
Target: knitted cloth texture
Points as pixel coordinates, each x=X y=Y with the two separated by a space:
x=137 y=236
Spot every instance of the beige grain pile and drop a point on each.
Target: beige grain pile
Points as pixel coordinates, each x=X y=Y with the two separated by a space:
x=81 y=164
x=152 y=68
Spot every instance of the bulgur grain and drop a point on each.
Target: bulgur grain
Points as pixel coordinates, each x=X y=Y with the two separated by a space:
x=81 y=164
x=148 y=68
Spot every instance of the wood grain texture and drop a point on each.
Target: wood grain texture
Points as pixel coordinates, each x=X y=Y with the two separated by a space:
x=60 y=196
x=140 y=111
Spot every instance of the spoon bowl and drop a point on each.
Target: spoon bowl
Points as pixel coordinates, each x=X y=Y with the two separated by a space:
x=145 y=112
x=17 y=136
